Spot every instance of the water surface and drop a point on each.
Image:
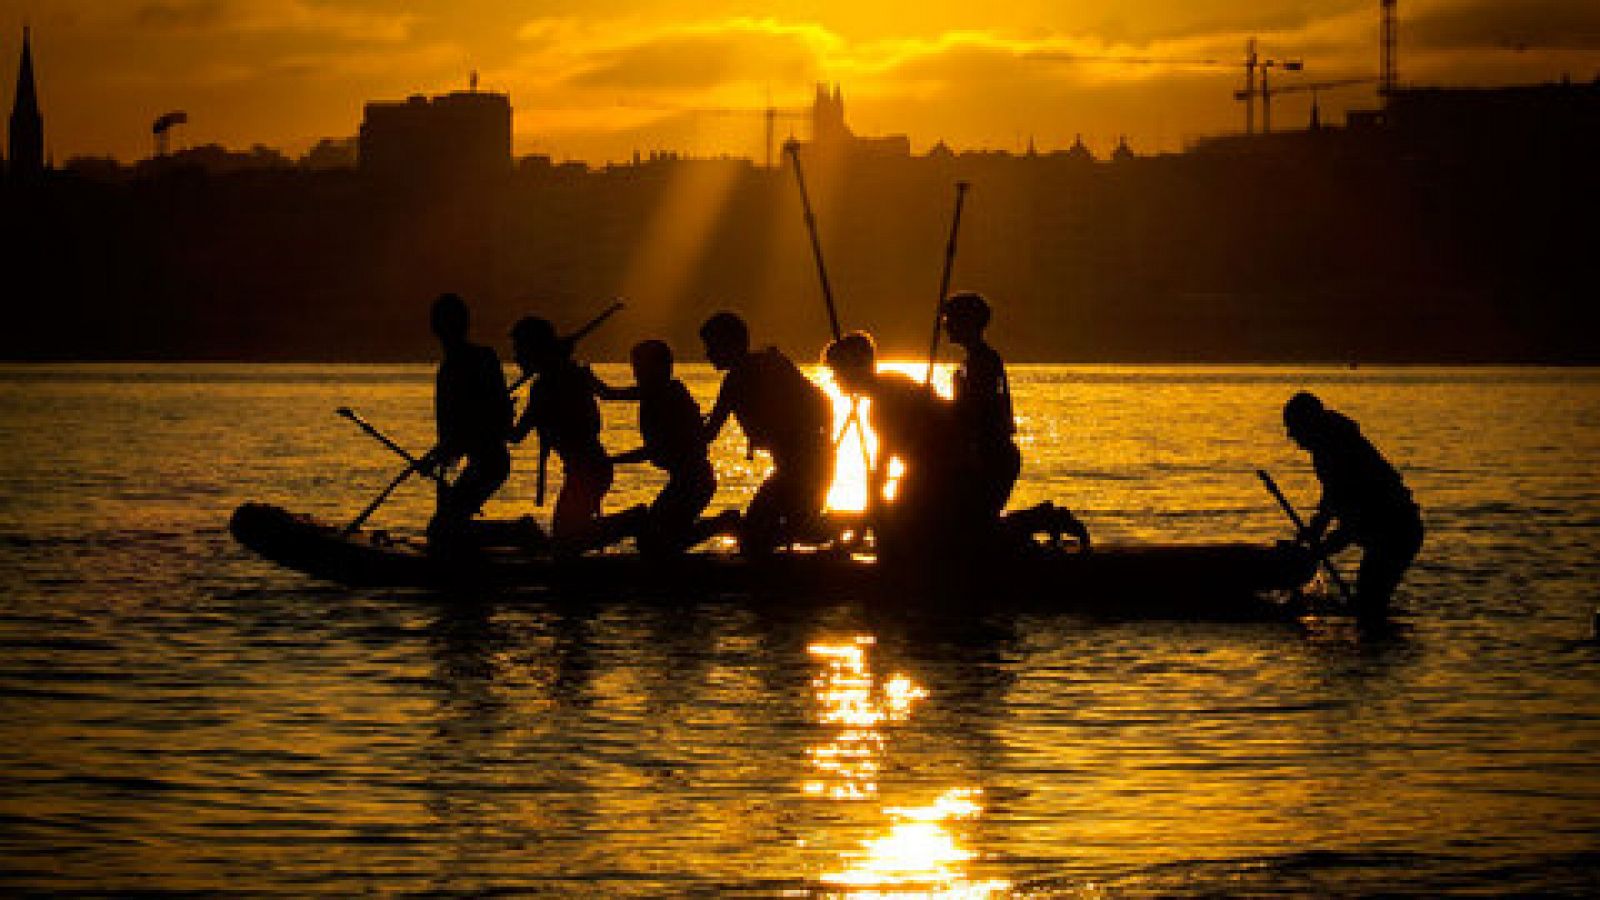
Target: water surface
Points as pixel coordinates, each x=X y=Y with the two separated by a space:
x=180 y=716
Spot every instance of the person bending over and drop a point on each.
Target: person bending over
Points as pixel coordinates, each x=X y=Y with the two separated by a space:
x=1364 y=494
x=781 y=411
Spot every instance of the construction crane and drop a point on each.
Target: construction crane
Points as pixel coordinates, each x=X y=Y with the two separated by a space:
x=769 y=112
x=1253 y=63
x=1267 y=93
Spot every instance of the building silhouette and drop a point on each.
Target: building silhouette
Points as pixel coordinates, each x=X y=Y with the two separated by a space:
x=462 y=135
x=833 y=136
x=25 y=152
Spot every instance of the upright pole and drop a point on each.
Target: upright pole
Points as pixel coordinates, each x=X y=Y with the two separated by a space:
x=854 y=418
x=793 y=148
x=1266 y=102
x=1250 y=86
x=1300 y=530
x=944 y=278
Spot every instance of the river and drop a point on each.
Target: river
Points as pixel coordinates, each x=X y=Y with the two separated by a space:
x=181 y=716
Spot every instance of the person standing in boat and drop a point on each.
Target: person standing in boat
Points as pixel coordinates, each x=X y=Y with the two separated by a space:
x=935 y=503
x=983 y=402
x=472 y=412
x=563 y=411
x=674 y=441
x=1364 y=494
x=782 y=412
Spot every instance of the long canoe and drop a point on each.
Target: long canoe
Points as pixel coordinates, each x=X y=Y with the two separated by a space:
x=1200 y=581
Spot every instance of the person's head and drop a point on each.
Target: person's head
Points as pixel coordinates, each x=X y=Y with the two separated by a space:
x=727 y=339
x=965 y=316
x=853 y=360
x=1301 y=416
x=652 y=362
x=449 y=318
x=534 y=343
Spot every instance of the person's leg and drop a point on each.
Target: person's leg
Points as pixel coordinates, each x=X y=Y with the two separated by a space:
x=760 y=528
x=1384 y=561
x=485 y=472
x=1002 y=464
x=672 y=524
x=583 y=489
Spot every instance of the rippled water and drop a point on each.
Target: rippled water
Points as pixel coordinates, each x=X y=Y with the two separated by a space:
x=175 y=715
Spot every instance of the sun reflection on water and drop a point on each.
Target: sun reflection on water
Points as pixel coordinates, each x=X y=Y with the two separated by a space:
x=849 y=490
x=918 y=853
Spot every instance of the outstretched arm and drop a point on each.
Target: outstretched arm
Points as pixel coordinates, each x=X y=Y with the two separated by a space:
x=607 y=392
x=720 y=412
x=636 y=455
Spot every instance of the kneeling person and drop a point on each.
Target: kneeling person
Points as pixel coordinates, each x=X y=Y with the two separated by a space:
x=781 y=411
x=562 y=409
x=674 y=441
x=936 y=509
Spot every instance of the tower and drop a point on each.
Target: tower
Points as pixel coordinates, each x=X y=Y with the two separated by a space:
x=26 y=150
x=827 y=117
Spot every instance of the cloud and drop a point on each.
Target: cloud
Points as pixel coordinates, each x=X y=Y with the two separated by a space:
x=179 y=14
x=702 y=57
x=1485 y=24
x=246 y=16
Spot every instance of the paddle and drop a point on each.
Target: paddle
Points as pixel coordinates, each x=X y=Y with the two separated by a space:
x=415 y=464
x=854 y=418
x=944 y=279
x=1300 y=529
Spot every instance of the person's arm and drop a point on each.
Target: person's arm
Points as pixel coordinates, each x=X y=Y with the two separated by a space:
x=528 y=422
x=1337 y=540
x=636 y=455
x=720 y=411
x=607 y=392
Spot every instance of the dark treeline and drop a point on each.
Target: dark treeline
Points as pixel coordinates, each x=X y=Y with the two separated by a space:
x=1329 y=246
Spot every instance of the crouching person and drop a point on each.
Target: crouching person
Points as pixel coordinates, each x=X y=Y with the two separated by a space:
x=674 y=441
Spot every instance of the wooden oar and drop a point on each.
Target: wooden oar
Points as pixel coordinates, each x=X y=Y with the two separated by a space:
x=1300 y=530
x=944 y=279
x=854 y=417
x=414 y=464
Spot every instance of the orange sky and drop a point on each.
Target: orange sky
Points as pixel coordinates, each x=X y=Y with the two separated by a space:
x=597 y=79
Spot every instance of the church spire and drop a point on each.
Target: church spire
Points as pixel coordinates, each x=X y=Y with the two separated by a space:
x=26 y=150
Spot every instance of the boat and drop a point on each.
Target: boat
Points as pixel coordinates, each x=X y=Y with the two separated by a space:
x=1223 y=581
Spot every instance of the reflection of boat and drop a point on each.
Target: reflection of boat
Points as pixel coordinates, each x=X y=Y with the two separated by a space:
x=1183 y=580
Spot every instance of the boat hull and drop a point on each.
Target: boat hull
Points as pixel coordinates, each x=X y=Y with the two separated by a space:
x=1185 y=580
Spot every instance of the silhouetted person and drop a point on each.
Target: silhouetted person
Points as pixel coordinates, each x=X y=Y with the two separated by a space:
x=674 y=441
x=473 y=414
x=1364 y=494
x=983 y=402
x=563 y=411
x=935 y=506
x=782 y=412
